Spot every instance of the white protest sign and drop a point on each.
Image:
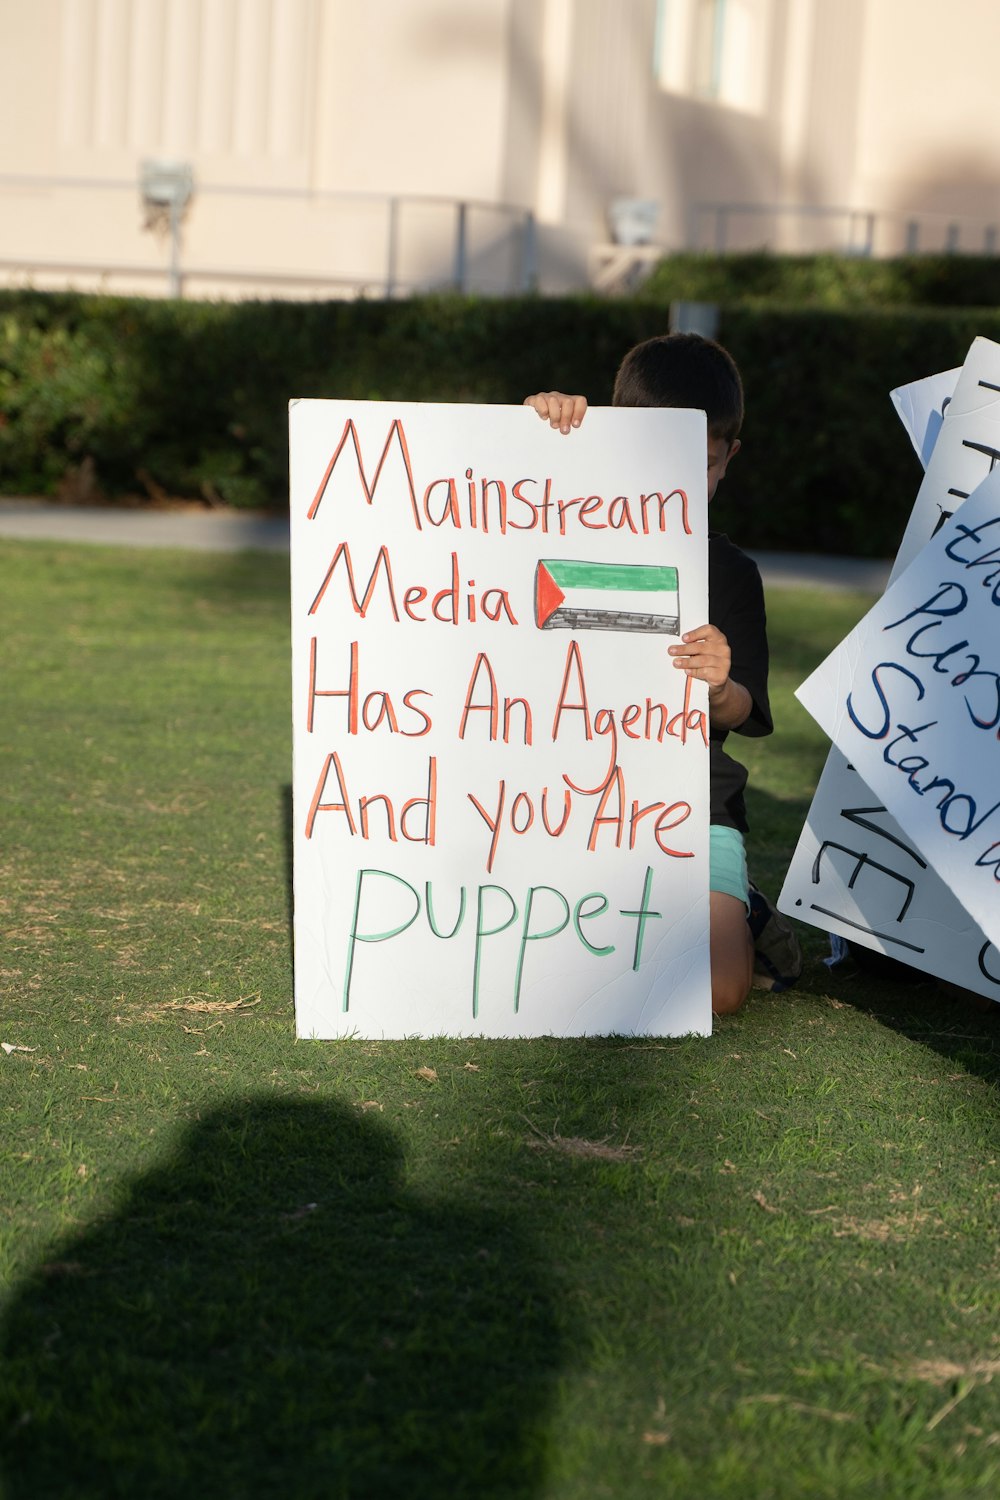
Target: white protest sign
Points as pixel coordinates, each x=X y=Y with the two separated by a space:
x=912 y=698
x=854 y=872
x=966 y=449
x=921 y=407
x=500 y=778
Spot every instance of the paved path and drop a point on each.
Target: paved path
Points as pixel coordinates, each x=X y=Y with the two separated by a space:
x=201 y=531
x=235 y=531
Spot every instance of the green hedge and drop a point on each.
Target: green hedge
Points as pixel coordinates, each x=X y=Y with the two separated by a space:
x=831 y=281
x=192 y=397
x=826 y=464
x=137 y=397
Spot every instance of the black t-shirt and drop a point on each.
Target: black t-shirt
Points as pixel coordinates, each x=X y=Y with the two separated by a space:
x=736 y=607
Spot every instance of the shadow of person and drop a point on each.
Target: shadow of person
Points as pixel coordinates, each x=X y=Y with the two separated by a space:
x=271 y=1311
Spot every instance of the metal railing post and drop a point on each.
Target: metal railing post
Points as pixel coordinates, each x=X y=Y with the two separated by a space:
x=176 y=280
x=461 y=247
x=529 y=254
x=392 y=249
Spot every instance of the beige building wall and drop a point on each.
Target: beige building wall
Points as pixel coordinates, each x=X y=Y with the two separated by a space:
x=303 y=121
x=928 y=142
x=333 y=143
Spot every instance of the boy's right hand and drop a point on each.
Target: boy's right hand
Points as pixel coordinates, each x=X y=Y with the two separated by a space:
x=562 y=412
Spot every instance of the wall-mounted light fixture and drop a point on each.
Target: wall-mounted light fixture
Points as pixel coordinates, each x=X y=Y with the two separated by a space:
x=167 y=188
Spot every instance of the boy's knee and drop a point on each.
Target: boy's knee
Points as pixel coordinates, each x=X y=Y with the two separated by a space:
x=728 y=996
x=732 y=953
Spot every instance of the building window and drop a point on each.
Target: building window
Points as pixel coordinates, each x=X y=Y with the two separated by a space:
x=712 y=49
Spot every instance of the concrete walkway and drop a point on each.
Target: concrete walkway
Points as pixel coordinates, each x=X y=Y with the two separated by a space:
x=197 y=530
x=236 y=531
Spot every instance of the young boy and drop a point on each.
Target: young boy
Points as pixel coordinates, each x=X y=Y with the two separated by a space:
x=730 y=652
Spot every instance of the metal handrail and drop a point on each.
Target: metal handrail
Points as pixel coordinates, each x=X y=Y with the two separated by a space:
x=870 y=219
x=394 y=203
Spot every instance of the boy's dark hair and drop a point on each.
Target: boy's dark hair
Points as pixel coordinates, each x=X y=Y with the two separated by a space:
x=684 y=369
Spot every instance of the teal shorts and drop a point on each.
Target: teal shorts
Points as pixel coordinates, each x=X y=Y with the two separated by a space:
x=727 y=863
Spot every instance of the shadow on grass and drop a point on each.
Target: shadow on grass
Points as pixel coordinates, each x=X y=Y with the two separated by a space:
x=247 y=579
x=960 y=1026
x=271 y=1312
x=288 y=835
x=956 y=1024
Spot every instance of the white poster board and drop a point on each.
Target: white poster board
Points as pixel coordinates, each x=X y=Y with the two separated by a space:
x=921 y=407
x=854 y=872
x=500 y=779
x=966 y=449
x=912 y=698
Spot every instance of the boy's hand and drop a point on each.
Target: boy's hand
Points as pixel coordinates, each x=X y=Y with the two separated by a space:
x=562 y=412
x=705 y=654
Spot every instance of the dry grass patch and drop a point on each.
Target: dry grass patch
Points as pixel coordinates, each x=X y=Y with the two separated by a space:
x=946 y=1371
x=775 y=1398
x=206 y=1006
x=897 y=1227
x=902 y=1224
x=575 y=1145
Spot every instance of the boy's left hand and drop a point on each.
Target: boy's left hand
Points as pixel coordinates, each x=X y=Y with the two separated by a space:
x=705 y=654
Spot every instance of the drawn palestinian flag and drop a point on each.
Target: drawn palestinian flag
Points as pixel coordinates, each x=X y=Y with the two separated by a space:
x=606 y=596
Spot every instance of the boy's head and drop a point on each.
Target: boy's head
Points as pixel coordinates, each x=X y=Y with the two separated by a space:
x=684 y=369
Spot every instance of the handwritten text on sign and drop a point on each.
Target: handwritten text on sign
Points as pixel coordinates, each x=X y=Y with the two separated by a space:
x=912 y=698
x=500 y=778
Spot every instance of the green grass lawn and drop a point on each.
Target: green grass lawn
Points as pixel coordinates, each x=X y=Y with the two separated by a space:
x=235 y=1264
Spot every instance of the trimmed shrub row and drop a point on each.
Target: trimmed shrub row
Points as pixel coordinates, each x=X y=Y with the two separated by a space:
x=826 y=464
x=831 y=281
x=119 y=398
